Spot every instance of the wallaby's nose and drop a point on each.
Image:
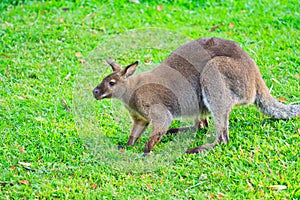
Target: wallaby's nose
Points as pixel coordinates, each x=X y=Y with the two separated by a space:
x=96 y=92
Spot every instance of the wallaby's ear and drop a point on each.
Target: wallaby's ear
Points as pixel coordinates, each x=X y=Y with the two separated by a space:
x=130 y=69
x=115 y=67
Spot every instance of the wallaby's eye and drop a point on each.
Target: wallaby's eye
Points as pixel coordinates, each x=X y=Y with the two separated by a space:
x=111 y=83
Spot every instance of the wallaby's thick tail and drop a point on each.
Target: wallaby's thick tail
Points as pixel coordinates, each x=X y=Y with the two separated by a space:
x=269 y=106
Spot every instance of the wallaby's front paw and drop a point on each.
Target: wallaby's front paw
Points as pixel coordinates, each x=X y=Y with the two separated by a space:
x=146 y=151
x=203 y=123
x=145 y=154
x=131 y=141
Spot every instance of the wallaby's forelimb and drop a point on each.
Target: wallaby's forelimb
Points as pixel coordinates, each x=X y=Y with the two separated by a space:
x=139 y=126
x=198 y=124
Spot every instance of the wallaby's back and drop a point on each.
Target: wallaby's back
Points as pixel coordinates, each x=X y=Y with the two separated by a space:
x=240 y=72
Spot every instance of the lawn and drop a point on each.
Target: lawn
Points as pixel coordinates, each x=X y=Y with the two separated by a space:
x=57 y=142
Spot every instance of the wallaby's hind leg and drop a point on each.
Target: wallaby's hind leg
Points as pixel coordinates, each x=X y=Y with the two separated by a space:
x=217 y=98
x=221 y=123
x=198 y=124
x=161 y=120
x=139 y=126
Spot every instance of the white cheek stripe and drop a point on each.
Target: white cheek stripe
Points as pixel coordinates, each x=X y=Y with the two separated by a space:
x=104 y=95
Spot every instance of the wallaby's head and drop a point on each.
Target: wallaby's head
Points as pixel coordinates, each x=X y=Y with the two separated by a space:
x=114 y=85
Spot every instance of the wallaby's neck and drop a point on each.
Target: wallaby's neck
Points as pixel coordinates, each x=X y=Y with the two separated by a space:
x=133 y=83
x=129 y=88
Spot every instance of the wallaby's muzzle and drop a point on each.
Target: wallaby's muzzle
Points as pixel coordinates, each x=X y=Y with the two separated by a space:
x=96 y=93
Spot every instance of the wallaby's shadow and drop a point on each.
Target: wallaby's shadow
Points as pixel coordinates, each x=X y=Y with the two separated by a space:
x=179 y=130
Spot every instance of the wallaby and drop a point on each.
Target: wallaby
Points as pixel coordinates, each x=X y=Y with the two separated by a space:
x=208 y=75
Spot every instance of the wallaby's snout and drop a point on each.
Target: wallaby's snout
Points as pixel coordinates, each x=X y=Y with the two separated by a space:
x=96 y=93
x=103 y=90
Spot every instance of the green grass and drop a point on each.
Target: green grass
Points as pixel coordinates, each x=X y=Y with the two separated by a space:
x=47 y=152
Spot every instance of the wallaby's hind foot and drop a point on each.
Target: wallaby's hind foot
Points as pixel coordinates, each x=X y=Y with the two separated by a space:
x=222 y=137
x=201 y=149
x=199 y=124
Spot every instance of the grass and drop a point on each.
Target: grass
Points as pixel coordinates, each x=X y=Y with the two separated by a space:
x=53 y=51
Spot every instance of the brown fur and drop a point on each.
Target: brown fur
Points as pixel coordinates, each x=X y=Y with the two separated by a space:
x=208 y=75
